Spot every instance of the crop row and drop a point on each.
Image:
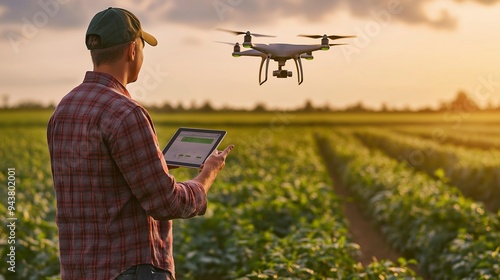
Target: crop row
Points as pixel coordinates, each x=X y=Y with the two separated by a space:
x=470 y=139
x=452 y=237
x=475 y=172
x=36 y=241
x=273 y=215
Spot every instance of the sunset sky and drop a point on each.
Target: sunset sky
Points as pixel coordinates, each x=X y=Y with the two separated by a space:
x=408 y=52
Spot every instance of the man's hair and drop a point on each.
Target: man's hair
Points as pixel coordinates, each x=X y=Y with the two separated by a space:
x=105 y=55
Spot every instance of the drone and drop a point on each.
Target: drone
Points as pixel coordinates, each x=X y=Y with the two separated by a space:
x=281 y=52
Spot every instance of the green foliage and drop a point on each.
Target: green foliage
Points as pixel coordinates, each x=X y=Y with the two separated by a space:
x=282 y=221
x=272 y=213
x=475 y=172
x=484 y=138
x=36 y=231
x=471 y=257
x=451 y=236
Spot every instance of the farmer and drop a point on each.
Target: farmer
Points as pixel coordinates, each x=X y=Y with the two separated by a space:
x=115 y=196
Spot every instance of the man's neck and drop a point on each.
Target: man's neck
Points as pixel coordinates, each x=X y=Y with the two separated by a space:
x=113 y=70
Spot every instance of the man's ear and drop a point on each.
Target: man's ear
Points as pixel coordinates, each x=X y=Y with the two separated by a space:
x=131 y=51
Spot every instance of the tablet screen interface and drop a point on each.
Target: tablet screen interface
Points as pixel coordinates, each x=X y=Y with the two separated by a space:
x=192 y=147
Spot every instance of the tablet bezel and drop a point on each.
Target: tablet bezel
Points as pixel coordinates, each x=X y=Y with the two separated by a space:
x=222 y=134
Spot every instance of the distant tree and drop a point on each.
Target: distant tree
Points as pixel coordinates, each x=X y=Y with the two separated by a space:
x=326 y=107
x=180 y=107
x=193 y=106
x=206 y=107
x=443 y=106
x=407 y=108
x=260 y=107
x=227 y=108
x=358 y=107
x=425 y=109
x=29 y=104
x=384 y=108
x=463 y=103
x=166 y=107
x=308 y=106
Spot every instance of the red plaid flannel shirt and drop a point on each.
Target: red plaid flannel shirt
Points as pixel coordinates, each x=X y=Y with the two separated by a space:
x=115 y=197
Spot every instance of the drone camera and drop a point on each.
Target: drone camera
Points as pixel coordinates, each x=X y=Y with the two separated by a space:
x=282 y=73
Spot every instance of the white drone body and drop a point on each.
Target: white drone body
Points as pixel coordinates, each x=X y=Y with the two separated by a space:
x=281 y=53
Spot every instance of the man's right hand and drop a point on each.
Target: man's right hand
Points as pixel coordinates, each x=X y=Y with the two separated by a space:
x=212 y=166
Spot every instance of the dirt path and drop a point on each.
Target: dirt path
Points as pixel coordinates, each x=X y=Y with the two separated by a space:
x=370 y=239
x=364 y=233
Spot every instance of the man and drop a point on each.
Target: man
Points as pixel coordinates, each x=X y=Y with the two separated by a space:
x=115 y=196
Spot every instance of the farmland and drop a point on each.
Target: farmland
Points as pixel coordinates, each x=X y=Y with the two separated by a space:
x=429 y=183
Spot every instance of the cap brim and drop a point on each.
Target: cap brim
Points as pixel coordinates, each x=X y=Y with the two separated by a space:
x=150 y=39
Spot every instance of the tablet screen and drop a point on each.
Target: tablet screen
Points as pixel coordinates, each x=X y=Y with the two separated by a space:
x=190 y=147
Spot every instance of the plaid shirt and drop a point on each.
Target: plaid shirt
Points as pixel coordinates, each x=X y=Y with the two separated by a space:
x=115 y=197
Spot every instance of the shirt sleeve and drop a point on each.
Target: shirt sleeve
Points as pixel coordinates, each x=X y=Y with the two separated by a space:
x=135 y=150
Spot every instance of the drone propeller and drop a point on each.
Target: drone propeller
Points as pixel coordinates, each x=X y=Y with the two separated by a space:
x=227 y=43
x=336 y=45
x=331 y=37
x=244 y=33
x=236 y=47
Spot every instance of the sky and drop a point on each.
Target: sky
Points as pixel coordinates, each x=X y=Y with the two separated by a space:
x=407 y=53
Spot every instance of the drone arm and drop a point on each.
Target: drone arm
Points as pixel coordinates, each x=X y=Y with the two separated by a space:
x=264 y=58
x=300 y=72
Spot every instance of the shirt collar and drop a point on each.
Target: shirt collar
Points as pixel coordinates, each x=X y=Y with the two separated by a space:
x=106 y=80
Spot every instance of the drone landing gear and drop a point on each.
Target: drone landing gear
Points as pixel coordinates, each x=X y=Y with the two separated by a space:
x=300 y=71
x=281 y=73
x=264 y=58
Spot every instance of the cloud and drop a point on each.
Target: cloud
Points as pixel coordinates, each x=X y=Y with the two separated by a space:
x=483 y=2
x=260 y=12
x=406 y=11
x=211 y=13
x=53 y=13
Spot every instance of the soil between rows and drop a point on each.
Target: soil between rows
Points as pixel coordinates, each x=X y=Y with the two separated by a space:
x=363 y=231
x=372 y=243
x=370 y=239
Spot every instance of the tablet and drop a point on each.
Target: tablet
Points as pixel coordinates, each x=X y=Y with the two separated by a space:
x=190 y=147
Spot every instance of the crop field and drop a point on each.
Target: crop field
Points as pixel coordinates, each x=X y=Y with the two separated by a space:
x=429 y=184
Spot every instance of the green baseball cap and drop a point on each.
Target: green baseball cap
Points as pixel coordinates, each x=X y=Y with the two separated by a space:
x=116 y=26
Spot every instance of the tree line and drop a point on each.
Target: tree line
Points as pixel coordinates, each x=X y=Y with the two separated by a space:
x=461 y=102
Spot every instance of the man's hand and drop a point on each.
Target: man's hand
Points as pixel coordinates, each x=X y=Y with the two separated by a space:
x=212 y=166
x=217 y=159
